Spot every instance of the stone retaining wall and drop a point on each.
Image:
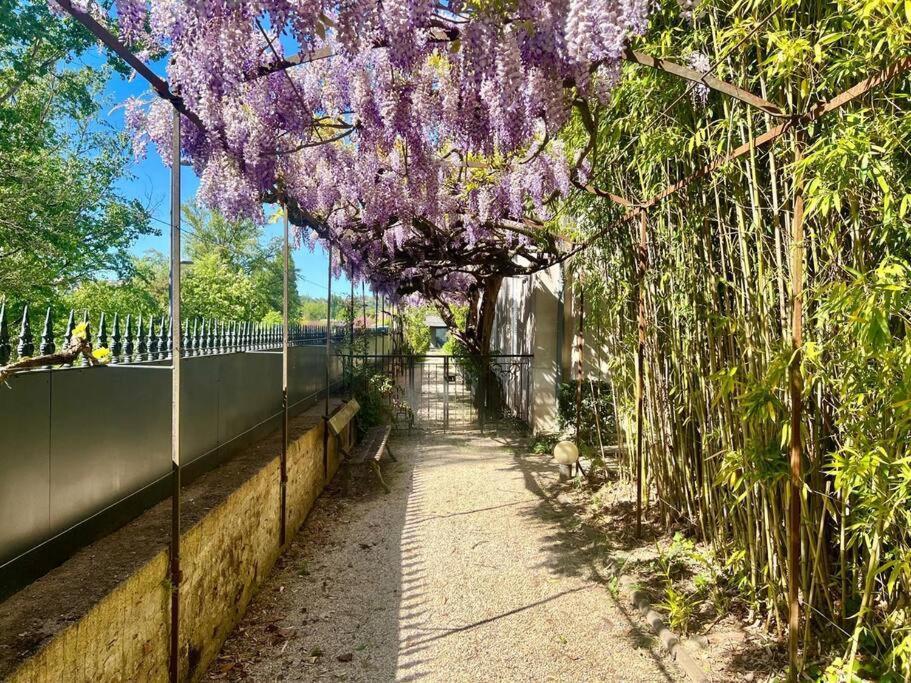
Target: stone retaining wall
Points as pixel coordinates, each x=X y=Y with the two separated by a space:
x=225 y=556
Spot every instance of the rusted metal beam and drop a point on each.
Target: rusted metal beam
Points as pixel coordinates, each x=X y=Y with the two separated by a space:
x=176 y=338
x=705 y=79
x=159 y=85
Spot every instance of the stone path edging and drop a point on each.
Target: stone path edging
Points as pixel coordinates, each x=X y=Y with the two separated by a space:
x=671 y=642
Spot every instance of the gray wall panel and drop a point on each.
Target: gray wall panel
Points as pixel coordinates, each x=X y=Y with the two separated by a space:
x=306 y=372
x=110 y=436
x=199 y=406
x=24 y=462
x=249 y=392
x=75 y=441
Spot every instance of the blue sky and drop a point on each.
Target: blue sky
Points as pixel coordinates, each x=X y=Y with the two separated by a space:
x=151 y=185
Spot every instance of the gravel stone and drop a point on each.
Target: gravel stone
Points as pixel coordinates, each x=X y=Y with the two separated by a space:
x=464 y=572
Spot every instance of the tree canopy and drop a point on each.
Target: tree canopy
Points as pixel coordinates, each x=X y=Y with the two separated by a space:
x=61 y=216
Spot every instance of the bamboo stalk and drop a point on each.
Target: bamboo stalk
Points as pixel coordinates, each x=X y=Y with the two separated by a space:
x=642 y=265
x=795 y=384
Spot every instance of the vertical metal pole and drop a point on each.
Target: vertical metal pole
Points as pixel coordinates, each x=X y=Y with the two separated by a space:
x=376 y=325
x=795 y=381
x=641 y=266
x=328 y=374
x=174 y=652
x=351 y=341
x=364 y=331
x=445 y=393
x=580 y=350
x=485 y=376
x=286 y=259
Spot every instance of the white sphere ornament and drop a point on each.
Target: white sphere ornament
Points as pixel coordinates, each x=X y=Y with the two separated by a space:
x=566 y=453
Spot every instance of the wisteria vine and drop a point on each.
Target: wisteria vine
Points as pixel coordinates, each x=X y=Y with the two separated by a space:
x=403 y=130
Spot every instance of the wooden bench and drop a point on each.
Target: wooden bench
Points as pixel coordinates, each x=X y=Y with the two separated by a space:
x=371 y=447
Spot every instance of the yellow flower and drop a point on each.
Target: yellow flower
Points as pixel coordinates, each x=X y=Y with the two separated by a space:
x=102 y=355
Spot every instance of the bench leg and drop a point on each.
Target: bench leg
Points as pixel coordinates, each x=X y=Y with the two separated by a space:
x=389 y=452
x=379 y=475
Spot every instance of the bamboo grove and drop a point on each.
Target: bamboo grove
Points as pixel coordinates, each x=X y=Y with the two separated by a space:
x=717 y=304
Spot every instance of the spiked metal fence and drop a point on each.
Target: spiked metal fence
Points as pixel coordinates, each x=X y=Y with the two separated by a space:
x=140 y=338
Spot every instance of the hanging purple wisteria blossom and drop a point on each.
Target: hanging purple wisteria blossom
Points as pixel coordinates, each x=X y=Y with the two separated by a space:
x=389 y=125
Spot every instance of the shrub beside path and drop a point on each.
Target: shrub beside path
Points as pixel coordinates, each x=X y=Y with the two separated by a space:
x=466 y=571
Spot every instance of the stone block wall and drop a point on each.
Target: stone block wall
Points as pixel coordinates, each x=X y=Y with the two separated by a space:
x=224 y=558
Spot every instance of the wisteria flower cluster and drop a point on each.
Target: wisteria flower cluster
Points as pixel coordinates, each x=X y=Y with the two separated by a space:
x=389 y=122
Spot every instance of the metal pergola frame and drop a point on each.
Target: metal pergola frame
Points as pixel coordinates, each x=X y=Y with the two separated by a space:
x=795 y=123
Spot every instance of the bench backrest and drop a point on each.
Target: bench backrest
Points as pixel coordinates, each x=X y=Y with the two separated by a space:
x=341 y=419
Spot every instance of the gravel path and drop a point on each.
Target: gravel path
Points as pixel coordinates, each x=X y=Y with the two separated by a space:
x=465 y=572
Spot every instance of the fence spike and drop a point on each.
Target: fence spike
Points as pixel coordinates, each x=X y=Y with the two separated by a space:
x=153 y=338
x=184 y=336
x=162 y=349
x=128 y=339
x=203 y=337
x=194 y=338
x=70 y=326
x=211 y=340
x=170 y=337
x=141 y=346
x=47 y=334
x=26 y=345
x=103 y=332
x=4 y=336
x=116 y=339
x=88 y=327
x=232 y=331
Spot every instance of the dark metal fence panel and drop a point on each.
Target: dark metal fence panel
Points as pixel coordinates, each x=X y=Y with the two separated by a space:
x=139 y=338
x=455 y=392
x=249 y=392
x=25 y=462
x=74 y=441
x=109 y=438
x=200 y=406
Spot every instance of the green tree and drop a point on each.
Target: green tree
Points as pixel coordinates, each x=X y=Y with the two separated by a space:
x=231 y=254
x=144 y=292
x=61 y=218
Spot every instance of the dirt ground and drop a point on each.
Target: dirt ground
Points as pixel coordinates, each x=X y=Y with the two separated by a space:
x=469 y=570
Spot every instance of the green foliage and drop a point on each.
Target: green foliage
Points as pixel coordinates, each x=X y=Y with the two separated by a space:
x=145 y=292
x=594 y=406
x=716 y=403
x=232 y=274
x=313 y=309
x=62 y=217
x=454 y=347
x=544 y=443
x=416 y=332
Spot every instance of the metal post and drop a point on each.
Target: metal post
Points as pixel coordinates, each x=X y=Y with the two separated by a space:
x=174 y=652
x=328 y=373
x=580 y=351
x=642 y=264
x=376 y=326
x=285 y=350
x=485 y=373
x=445 y=393
x=795 y=382
x=411 y=391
